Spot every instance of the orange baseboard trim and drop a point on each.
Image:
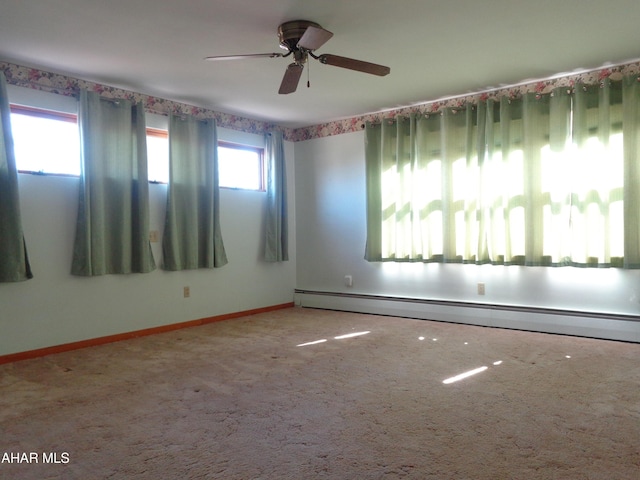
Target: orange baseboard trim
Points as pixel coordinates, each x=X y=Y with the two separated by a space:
x=92 y=342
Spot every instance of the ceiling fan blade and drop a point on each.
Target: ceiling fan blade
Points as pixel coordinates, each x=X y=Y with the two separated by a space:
x=240 y=57
x=314 y=37
x=291 y=78
x=352 y=64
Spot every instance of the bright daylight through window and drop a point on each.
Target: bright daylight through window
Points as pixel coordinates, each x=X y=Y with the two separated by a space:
x=536 y=180
x=240 y=166
x=158 y=155
x=45 y=142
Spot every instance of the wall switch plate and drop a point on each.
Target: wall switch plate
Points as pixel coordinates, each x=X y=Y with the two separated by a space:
x=348 y=280
x=480 y=288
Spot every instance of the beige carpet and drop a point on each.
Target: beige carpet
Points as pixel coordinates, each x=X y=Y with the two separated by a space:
x=240 y=400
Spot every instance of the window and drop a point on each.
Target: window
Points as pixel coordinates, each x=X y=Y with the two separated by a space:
x=45 y=141
x=540 y=180
x=240 y=166
x=158 y=155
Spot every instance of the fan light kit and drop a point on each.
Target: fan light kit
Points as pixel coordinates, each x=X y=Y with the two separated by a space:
x=300 y=38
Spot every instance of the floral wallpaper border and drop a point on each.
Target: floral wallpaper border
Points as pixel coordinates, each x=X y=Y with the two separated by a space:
x=616 y=72
x=64 y=85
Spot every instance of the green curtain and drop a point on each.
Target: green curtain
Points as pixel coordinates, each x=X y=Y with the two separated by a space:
x=112 y=231
x=373 y=152
x=192 y=235
x=14 y=261
x=539 y=180
x=276 y=241
x=417 y=178
x=597 y=203
x=631 y=194
x=513 y=186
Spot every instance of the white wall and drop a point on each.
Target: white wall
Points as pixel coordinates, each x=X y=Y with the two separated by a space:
x=331 y=237
x=327 y=236
x=55 y=307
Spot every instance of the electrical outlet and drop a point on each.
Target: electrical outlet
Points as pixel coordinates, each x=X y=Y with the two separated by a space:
x=480 y=288
x=186 y=292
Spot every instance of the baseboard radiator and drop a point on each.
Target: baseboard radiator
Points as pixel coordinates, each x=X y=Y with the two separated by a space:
x=566 y=322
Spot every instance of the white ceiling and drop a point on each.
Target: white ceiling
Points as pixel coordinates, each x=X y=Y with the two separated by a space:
x=435 y=48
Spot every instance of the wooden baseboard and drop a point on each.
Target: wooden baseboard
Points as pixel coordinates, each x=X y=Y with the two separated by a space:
x=41 y=352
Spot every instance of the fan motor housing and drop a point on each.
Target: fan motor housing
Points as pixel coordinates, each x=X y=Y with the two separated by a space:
x=291 y=32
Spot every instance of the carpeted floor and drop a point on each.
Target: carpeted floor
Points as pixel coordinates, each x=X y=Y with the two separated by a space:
x=240 y=399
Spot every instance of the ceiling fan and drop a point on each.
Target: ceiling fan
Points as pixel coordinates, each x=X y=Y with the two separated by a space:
x=300 y=38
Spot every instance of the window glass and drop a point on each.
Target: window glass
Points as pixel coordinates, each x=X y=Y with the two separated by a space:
x=158 y=155
x=240 y=166
x=45 y=142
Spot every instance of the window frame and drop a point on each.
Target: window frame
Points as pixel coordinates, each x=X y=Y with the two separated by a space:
x=49 y=115
x=157 y=132
x=43 y=113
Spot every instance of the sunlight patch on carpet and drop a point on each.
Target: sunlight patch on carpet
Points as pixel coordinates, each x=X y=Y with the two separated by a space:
x=339 y=337
x=464 y=375
x=350 y=335
x=315 y=342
